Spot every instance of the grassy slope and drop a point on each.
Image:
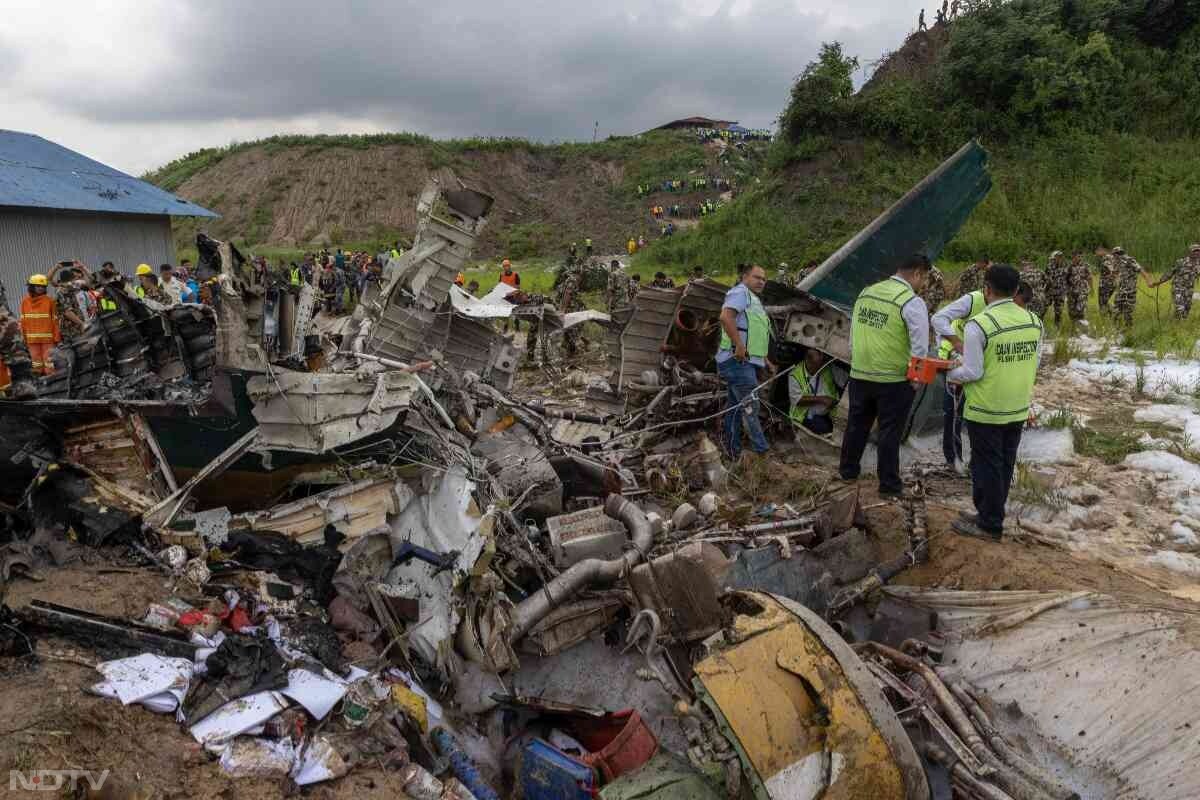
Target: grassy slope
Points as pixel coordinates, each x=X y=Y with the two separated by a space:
x=1100 y=191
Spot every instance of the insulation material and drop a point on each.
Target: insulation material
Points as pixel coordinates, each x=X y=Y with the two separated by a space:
x=443 y=519
x=1162 y=377
x=1180 y=418
x=1176 y=478
x=316 y=412
x=354 y=509
x=1109 y=685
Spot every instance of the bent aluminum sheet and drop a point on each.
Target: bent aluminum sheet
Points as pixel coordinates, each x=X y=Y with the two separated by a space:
x=317 y=412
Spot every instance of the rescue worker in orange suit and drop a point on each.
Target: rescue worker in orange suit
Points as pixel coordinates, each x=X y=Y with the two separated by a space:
x=513 y=279
x=39 y=325
x=507 y=275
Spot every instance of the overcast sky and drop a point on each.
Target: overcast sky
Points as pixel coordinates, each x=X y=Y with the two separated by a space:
x=135 y=83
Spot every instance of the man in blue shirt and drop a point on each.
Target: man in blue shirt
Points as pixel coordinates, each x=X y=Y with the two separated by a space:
x=745 y=340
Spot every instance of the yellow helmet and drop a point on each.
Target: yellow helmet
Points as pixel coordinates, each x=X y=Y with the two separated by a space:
x=144 y=269
x=38 y=280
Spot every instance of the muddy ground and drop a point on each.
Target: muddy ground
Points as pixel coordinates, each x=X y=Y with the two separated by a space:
x=47 y=720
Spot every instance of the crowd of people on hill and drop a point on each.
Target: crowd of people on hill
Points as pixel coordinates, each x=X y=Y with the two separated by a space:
x=702 y=209
x=755 y=135
x=681 y=185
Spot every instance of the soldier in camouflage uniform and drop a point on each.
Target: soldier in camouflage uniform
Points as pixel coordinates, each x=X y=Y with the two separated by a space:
x=1036 y=279
x=569 y=299
x=1056 y=284
x=1183 y=281
x=1108 y=278
x=1079 y=286
x=1125 y=299
x=66 y=307
x=15 y=356
x=971 y=278
x=934 y=293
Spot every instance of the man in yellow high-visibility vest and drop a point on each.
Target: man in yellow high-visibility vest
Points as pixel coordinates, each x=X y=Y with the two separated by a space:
x=1000 y=356
x=745 y=342
x=813 y=392
x=889 y=325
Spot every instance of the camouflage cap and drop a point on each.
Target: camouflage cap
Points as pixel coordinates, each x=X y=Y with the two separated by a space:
x=1057 y=254
x=1119 y=249
x=1194 y=248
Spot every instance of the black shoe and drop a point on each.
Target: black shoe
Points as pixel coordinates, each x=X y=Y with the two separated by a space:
x=891 y=494
x=964 y=528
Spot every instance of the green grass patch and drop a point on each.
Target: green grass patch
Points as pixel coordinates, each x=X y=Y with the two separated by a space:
x=1110 y=446
x=1059 y=419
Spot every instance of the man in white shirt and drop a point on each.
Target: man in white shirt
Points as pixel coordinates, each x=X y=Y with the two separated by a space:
x=171 y=286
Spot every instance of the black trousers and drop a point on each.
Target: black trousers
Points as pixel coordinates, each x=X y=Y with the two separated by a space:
x=952 y=423
x=993 y=459
x=820 y=424
x=889 y=403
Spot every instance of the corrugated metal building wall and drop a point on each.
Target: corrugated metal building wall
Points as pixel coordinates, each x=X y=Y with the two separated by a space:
x=33 y=240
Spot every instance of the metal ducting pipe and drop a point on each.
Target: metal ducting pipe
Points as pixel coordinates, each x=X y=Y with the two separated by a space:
x=587 y=573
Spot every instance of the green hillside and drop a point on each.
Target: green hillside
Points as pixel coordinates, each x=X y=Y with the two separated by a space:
x=1089 y=108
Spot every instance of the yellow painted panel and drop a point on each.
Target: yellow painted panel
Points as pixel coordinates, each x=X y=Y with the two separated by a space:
x=785 y=696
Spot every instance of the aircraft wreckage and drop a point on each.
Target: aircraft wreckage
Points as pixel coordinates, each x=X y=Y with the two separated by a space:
x=531 y=618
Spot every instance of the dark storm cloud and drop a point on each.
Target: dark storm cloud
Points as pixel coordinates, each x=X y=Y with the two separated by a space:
x=543 y=70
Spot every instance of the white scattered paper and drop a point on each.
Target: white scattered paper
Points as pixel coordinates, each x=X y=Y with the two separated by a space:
x=238 y=716
x=135 y=679
x=317 y=693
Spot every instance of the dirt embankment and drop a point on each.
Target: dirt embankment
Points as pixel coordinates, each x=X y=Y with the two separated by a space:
x=296 y=196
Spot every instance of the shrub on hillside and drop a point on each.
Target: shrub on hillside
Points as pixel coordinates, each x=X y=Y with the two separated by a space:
x=821 y=95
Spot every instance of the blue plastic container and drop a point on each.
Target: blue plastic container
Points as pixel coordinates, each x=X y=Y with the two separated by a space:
x=547 y=773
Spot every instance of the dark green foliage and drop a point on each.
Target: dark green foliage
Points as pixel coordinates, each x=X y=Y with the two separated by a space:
x=821 y=95
x=1015 y=71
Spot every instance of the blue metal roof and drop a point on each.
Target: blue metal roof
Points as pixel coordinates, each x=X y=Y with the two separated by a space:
x=36 y=173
